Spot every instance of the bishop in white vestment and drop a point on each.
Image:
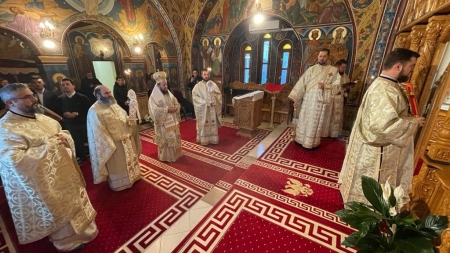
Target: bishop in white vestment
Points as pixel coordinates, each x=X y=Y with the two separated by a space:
x=165 y=112
x=113 y=148
x=314 y=89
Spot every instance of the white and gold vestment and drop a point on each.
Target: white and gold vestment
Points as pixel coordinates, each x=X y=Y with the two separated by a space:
x=334 y=111
x=311 y=102
x=166 y=125
x=381 y=143
x=113 y=148
x=43 y=184
x=207 y=100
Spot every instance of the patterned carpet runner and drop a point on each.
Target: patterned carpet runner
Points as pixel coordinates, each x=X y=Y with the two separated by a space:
x=284 y=202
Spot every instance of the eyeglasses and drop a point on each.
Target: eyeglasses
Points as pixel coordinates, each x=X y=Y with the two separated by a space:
x=27 y=96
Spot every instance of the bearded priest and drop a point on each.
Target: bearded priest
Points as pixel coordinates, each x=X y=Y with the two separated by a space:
x=165 y=112
x=113 y=148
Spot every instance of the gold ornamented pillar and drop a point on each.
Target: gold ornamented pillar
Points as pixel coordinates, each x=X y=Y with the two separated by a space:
x=430 y=192
x=432 y=33
x=403 y=40
x=417 y=35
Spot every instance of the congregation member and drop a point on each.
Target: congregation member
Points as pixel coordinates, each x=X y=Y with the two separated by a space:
x=113 y=149
x=195 y=78
x=165 y=113
x=313 y=90
x=3 y=83
x=46 y=97
x=334 y=111
x=73 y=106
x=120 y=92
x=88 y=85
x=46 y=190
x=207 y=100
x=381 y=145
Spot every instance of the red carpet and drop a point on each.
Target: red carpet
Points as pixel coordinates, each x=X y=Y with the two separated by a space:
x=246 y=221
x=146 y=210
x=323 y=162
x=284 y=202
x=325 y=194
x=231 y=148
x=204 y=167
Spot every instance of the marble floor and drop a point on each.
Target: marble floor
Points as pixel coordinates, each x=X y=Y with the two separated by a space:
x=180 y=229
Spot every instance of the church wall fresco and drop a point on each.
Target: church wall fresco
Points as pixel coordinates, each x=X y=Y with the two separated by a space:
x=87 y=46
x=225 y=16
x=128 y=17
x=189 y=21
x=125 y=18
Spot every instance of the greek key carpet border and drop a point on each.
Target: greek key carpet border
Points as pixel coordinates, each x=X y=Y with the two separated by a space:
x=186 y=198
x=206 y=237
x=273 y=155
x=295 y=173
x=292 y=202
x=194 y=180
x=235 y=158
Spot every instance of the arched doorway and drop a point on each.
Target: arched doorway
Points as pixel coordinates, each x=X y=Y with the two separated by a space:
x=86 y=41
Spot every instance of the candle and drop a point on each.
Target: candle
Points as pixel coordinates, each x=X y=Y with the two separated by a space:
x=412 y=99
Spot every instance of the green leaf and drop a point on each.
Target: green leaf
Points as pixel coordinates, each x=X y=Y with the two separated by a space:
x=374 y=194
x=415 y=244
x=358 y=220
x=355 y=206
x=435 y=222
x=351 y=240
x=411 y=231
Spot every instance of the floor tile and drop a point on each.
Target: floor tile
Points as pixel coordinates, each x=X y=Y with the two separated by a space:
x=181 y=225
x=155 y=247
x=169 y=242
x=213 y=196
x=197 y=215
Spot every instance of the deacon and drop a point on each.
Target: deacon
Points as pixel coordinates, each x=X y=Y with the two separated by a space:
x=46 y=191
x=381 y=143
x=113 y=148
x=165 y=112
x=334 y=111
x=314 y=89
x=207 y=100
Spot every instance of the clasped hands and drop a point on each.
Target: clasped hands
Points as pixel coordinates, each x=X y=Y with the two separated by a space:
x=62 y=140
x=171 y=109
x=70 y=115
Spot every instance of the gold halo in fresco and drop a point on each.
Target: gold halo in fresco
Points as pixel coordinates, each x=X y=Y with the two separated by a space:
x=217 y=39
x=319 y=32
x=203 y=42
x=55 y=76
x=343 y=33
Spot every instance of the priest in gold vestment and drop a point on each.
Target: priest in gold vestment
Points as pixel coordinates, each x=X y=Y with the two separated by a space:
x=207 y=100
x=44 y=186
x=165 y=112
x=113 y=147
x=381 y=143
x=315 y=88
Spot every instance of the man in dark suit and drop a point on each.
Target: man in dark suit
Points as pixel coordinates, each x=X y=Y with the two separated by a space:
x=73 y=107
x=46 y=97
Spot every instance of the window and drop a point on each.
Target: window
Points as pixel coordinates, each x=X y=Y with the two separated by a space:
x=265 y=58
x=247 y=62
x=283 y=65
